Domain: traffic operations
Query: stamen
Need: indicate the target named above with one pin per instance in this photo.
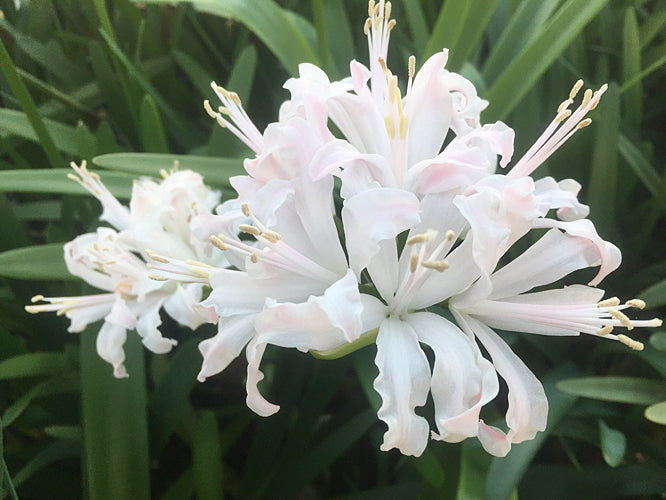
(564, 105)
(587, 97)
(413, 262)
(387, 10)
(605, 330)
(417, 238)
(450, 235)
(371, 8)
(634, 344)
(164, 173)
(156, 257)
(411, 67)
(610, 302)
(389, 123)
(209, 109)
(191, 262)
(584, 123)
(577, 86)
(382, 63)
(37, 298)
(245, 207)
(254, 258)
(563, 116)
(437, 265)
(637, 303)
(73, 177)
(621, 317)
(366, 26)
(248, 229)
(391, 24)
(199, 272)
(217, 242)
(158, 277)
(271, 236)
(404, 125)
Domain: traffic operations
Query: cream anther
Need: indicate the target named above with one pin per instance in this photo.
(587, 97)
(450, 235)
(411, 67)
(36, 298)
(413, 262)
(191, 262)
(245, 207)
(366, 26)
(610, 302)
(382, 63)
(574, 90)
(209, 109)
(437, 265)
(158, 277)
(391, 25)
(605, 330)
(417, 238)
(156, 257)
(371, 8)
(584, 123)
(629, 342)
(220, 122)
(404, 125)
(389, 123)
(254, 258)
(387, 10)
(637, 303)
(564, 105)
(271, 236)
(199, 272)
(224, 111)
(375, 11)
(621, 317)
(217, 242)
(248, 229)
(378, 21)
(563, 115)
(73, 177)
(164, 173)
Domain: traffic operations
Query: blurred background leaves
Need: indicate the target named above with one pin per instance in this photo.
(120, 84)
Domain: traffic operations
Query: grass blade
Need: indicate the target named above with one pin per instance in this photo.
(632, 390)
(55, 181)
(533, 61)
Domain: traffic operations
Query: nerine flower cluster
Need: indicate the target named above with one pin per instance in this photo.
(414, 199)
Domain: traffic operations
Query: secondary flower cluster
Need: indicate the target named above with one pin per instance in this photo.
(404, 200)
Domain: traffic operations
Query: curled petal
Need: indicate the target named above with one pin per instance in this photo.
(403, 383)
(112, 336)
(462, 379)
(528, 407)
(233, 334)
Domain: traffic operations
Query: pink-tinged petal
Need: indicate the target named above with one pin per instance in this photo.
(78, 261)
(233, 334)
(499, 213)
(551, 258)
(264, 199)
(360, 76)
(610, 256)
(528, 407)
(430, 109)
(493, 139)
(562, 196)
(462, 379)
(338, 154)
(403, 383)
(322, 323)
(493, 440)
(184, 306)
(147, 323)
(236, 292)
(112, 336)
(373, 216)
(374, 312)
(89, 309)
(454, 169)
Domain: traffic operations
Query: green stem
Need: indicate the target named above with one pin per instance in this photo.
(366, 339)
(6, 478)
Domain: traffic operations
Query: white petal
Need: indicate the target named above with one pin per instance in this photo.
(184, 306)
(373, 216)
(233, 334)
(528, 407)
(112, 336)
(322, 323)
(552, 257)
(148, 319)
(609, 255)
(403, 383)
(462, 380)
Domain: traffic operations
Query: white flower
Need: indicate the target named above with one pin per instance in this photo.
(116, 263)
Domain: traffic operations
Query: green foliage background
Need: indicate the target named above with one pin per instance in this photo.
(120, 84)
